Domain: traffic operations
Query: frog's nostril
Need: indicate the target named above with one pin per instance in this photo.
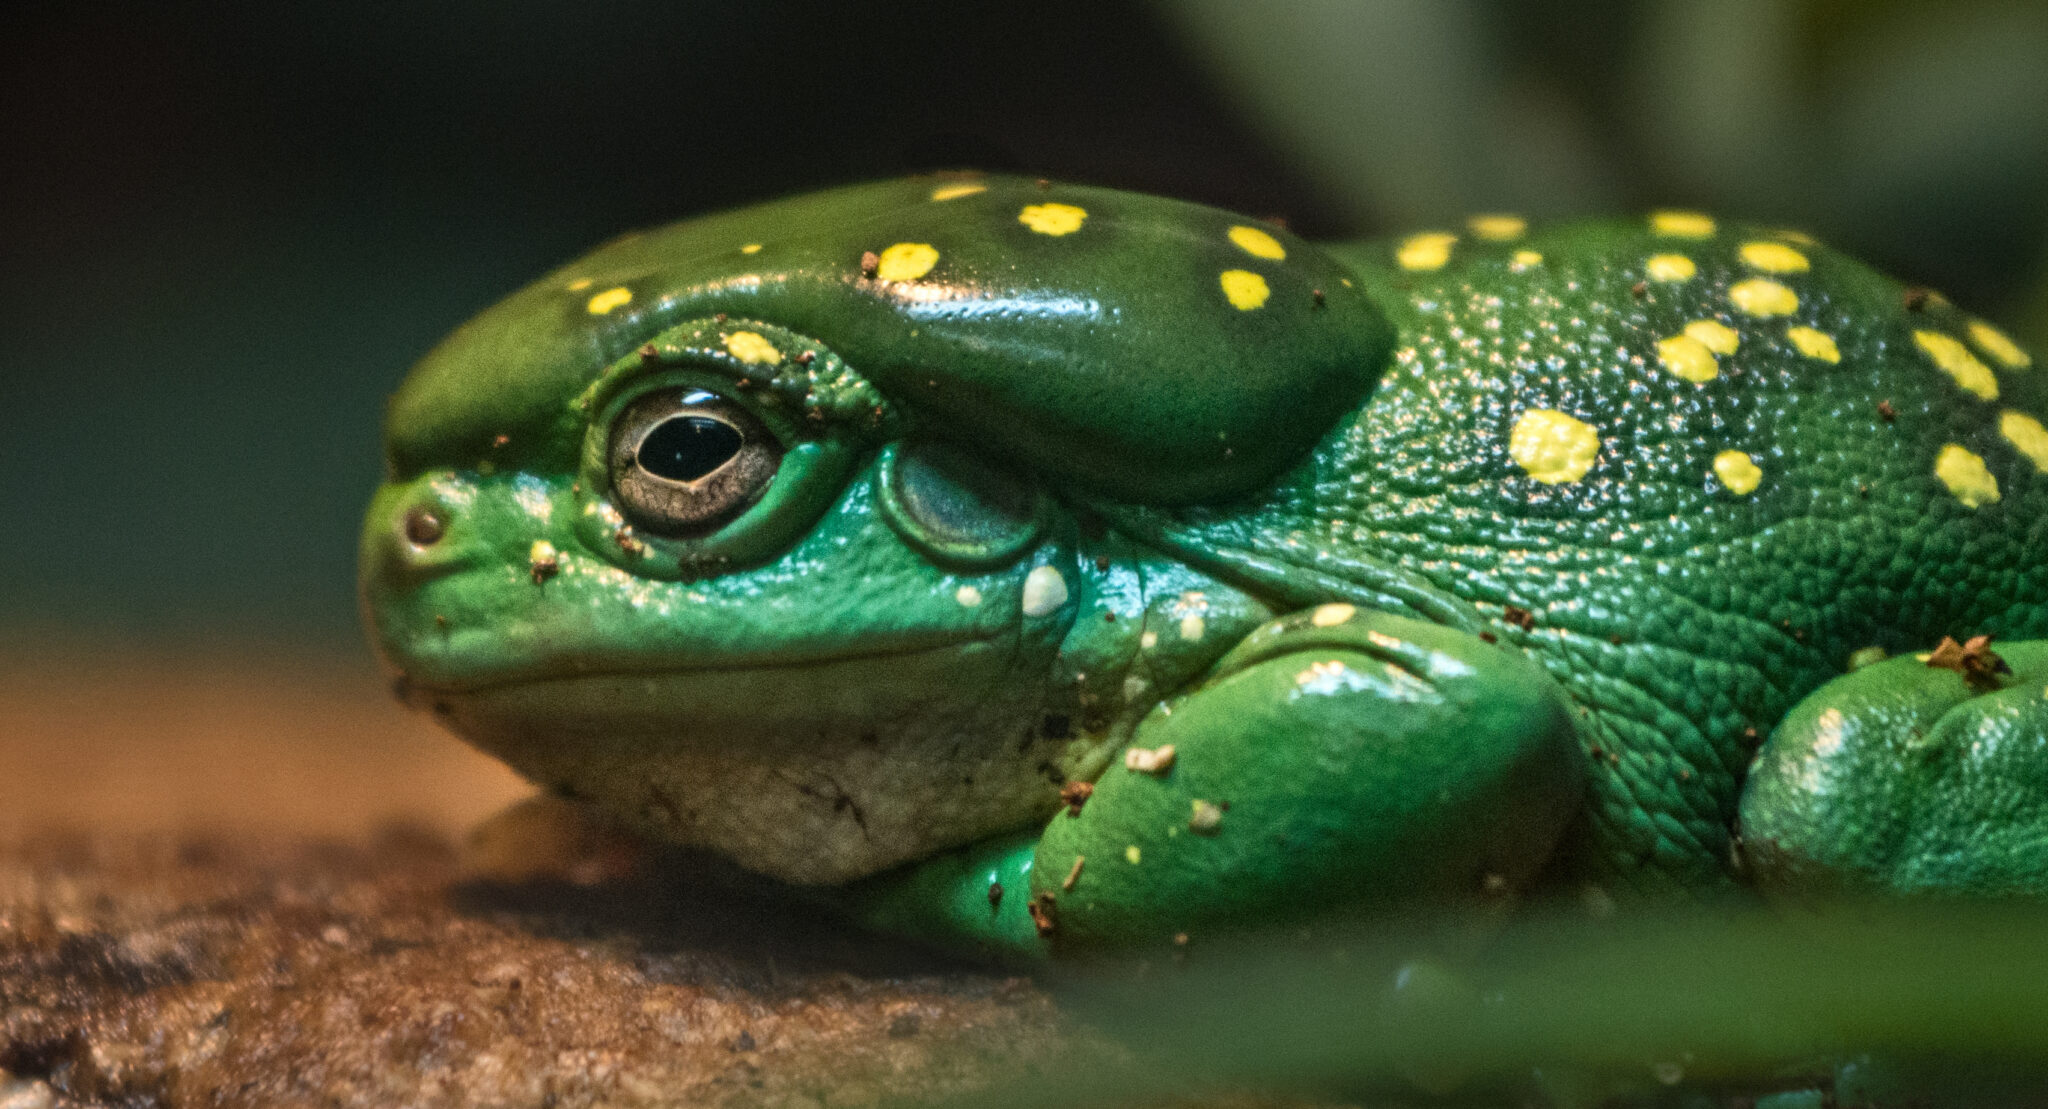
(424, 527)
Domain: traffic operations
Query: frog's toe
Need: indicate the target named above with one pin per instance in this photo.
(1908, 776)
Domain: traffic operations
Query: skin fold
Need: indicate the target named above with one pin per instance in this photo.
(1053, 570)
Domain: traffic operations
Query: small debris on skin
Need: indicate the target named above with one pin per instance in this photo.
(623, 537)
(1639, 290)
(1886, 412)
(995, 895)
(1044, 914)
(545, 562)
(500, 439)
(1149, 760)
(1317, 296)
(869, 263)
(804, 357)
(1519, 617)
(1488, 637)
(1205, 819)
(649, 354)
(1073, 874)
(1974, 659)
(744, 1041)
(1916, 298)
(1076, 794)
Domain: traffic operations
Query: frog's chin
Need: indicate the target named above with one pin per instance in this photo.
(817, 773)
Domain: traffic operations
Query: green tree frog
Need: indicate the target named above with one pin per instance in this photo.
(1048, 569)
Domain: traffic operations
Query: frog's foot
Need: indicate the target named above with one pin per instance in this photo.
(1337, 759)
(1920, 774)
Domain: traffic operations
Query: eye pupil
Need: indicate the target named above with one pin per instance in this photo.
(685, 448)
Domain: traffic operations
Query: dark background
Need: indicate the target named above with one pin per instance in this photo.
(228, 228)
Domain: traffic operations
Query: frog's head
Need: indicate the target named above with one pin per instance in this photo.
(753, 529)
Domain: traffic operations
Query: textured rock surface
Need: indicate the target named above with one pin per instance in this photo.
(238, 882)
(200, 970)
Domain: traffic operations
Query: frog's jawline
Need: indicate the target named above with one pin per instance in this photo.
(534, 676)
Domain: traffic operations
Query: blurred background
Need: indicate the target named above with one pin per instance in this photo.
(228, 228)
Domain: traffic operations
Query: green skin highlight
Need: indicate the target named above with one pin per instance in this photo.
(1040, 500)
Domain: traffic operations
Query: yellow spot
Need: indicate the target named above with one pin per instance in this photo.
(1949, 353)
(2026, 433)
(1052, 219)
(1682, 225)
(1132, 854)
(968, 596)
(1999, 345)
(1814, 344)
(1670, 267)
(1498, 228)
(580, 284)
(1715, 335)
(1427, 251)
(1525, 259)
(1329, 616)
(906, 262)
(955, 192)
(1793, 235)
(1257, 243)
(1763, 297)
(1044, 591)
(1552, 446)
(605, 301)
(751, 248)
(1774, 258)
(1245, 289)
(1193, 627)
(751, 348)
(1738, 471)
(1966, 477)
(1688, 358)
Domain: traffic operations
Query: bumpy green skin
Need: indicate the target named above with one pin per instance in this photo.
(1428, 558)
(1898, 779)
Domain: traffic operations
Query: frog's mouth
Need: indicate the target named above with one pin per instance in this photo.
(423, 678)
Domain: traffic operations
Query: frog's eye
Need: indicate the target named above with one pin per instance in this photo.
(685, 461)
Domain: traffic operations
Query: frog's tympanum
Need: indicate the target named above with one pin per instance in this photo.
(1049, 568)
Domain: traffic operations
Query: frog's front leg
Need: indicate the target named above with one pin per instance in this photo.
(1336, 759)
(1920, 774)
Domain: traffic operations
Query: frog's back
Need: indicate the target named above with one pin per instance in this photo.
(1692, 467)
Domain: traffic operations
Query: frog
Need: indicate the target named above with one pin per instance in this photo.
(1043, 570)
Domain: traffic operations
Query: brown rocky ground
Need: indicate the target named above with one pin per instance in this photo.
(239, 881)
